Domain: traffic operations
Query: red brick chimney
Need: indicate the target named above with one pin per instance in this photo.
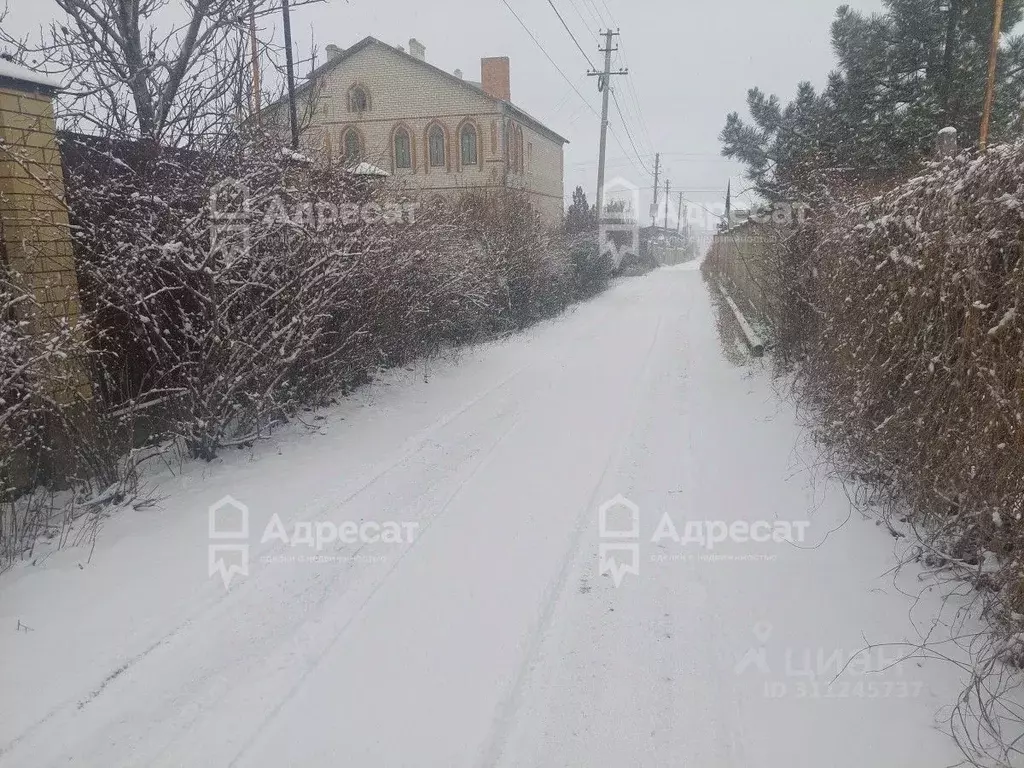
(494, 77)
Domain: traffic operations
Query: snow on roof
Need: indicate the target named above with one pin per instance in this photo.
(369, 169)
(12, 71)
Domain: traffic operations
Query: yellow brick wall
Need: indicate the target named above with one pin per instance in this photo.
(36, 242)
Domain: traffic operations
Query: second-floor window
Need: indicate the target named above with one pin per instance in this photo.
(351, 145)
(468, 142)
(435, 141)
(403, 149)
(358, 99)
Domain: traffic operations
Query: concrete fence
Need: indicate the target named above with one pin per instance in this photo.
(747, 259)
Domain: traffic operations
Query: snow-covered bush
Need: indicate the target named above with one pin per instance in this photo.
(917, 365)
(532, 264)
(591, 268)
(223, 291)
(43, 415)
(909, 330)
(918, 356)
(243, 285)
(236, 287)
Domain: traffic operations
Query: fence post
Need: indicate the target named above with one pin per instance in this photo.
(945, 146)
(35, 236)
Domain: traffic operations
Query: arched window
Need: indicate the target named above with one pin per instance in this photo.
(468, 144)
(351, 145)
(510, 145)
(403, 149)
(515, 148)
(435, 146)
(358, 99)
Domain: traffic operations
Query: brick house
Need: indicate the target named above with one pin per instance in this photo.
(434, 131)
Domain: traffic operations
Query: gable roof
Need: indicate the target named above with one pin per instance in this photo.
(366, 42)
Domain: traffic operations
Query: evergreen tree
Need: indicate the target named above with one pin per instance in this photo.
(901, 76)
(580, 216)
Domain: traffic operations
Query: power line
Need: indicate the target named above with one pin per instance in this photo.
(629, 135)
(627, 114)
(564, 76)
(592, 10)
(634, 92)
(586, 24)
(584, 53)
(546, 54)
(611, 18)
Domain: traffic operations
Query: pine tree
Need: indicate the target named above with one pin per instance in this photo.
(580, 216)
(901, 76)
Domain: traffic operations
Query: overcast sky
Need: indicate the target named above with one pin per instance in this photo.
(690, 64)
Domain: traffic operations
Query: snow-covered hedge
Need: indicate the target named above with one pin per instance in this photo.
(41, 412)
(241, 285)
(225, 291)
(905, 311)
(918, 356)
(916, 361)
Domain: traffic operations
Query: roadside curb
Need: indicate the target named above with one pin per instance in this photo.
(752, 339)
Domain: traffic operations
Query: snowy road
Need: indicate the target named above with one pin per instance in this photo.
(490, 638)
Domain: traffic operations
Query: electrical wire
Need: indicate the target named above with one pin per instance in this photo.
(579, 13)
(564, 76)
(629, 135)
(580, 47)
(544, 51)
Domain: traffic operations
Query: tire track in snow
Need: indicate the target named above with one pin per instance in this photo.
(480, 464)
(216, 601)
(494, 745)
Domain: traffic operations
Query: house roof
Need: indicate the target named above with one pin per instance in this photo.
(9, 71)
(366, 42)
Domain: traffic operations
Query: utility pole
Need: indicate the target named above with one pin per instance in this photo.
(292, 110)
(256, 99)
(654, 207)
(679, 215)
(668, 202)
(990, 86)
(604, 85)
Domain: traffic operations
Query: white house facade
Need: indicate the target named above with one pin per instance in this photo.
(432, 130)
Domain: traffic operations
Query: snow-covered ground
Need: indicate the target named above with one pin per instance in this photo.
(487, 635)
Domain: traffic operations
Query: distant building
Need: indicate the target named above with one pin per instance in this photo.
(437, 132)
